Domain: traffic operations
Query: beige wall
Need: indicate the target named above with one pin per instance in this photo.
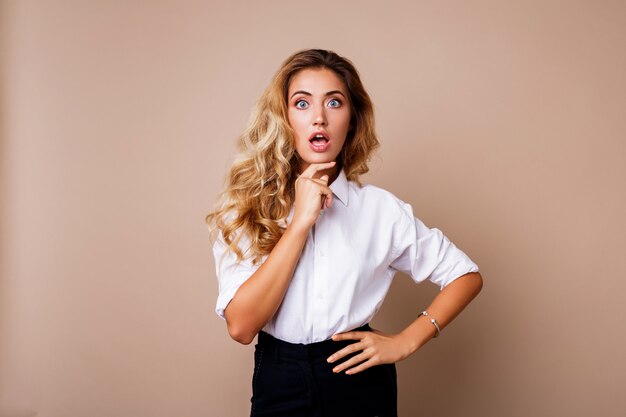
(502, 122)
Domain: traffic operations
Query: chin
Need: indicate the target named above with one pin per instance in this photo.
(318, 159)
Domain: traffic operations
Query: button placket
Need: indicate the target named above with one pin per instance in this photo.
(320, 308)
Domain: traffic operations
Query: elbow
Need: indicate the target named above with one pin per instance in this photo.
(241, 334)
(240, 328)
(243, 338)
(241, 325)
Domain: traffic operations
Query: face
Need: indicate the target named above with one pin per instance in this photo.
(319, 113)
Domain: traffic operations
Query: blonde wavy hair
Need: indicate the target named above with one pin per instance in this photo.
(261, 182)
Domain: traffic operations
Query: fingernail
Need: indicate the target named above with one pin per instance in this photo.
(335, 370)
(331, 359)
(349, 372)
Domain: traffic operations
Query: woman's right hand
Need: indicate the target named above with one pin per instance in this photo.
(312, 194)
(259, 297)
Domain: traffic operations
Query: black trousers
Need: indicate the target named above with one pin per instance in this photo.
(294, 380)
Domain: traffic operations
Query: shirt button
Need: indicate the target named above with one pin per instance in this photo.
(321, 253)
(320, 296)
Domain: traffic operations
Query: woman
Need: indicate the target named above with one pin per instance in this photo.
(305, 253)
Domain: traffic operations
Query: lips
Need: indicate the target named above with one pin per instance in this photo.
(319, 141)
(319, 136)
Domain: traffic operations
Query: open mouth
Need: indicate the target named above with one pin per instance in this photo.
(319, 139)
(319, 142)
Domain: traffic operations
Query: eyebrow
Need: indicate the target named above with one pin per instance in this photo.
(330, 93)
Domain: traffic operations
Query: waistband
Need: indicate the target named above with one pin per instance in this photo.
(310, 352)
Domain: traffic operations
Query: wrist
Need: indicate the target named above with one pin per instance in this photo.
(418, 334)
(408, 343)
(298, 227)
(432, 320)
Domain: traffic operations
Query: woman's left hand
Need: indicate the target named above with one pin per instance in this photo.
(376, 348)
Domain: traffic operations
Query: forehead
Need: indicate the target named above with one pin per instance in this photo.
(316, 81)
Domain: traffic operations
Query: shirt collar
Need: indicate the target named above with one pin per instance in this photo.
(340, 187)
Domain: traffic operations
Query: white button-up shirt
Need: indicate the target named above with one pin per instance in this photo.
(348, 262)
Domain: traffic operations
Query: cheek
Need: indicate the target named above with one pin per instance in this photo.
(342, 117)
(296, 123)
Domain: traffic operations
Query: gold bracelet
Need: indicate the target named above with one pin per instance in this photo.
(433, 321)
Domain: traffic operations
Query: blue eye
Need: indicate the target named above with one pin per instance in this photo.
(334, 101)
(299, 106)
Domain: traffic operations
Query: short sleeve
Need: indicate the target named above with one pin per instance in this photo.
(426, 253)
(230, 272)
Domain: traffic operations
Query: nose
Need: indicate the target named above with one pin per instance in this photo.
(319, 118)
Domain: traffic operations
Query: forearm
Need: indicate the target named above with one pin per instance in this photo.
(258, 298)
(444, 308)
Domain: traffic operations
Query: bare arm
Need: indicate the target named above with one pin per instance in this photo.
(258, 298)
(444, 308)
(381, 348)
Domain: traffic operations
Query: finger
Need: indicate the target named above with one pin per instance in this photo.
(324, 190)
(363, 366)
(351, 348)
(326, 200)
(355, 360)
(348, 336)
(329, 199)
(319, 181)
(313, 168)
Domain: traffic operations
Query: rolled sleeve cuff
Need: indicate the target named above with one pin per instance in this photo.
(223, 299)
(463, 265)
